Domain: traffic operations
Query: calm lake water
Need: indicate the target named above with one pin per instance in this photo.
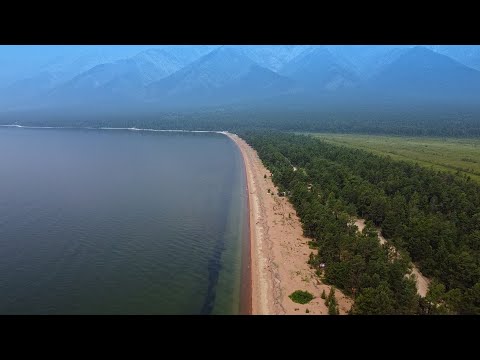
(120, 222)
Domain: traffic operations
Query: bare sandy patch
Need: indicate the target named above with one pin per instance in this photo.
(422, 281)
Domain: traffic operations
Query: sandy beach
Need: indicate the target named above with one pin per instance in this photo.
(279, 251)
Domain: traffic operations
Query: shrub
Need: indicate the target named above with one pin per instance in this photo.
(301, 297)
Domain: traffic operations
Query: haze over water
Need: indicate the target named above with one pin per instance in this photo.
(119, 222)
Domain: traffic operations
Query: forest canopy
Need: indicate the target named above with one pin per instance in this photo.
(412, 120)
(431, 218)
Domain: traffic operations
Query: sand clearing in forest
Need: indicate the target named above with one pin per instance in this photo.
(422, 281)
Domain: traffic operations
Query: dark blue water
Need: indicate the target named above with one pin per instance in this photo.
(119, 222)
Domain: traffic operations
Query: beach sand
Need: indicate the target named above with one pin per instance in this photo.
(279, 251)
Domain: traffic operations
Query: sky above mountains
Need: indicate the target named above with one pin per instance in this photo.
(77, 75)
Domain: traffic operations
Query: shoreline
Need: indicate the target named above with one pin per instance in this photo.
(258, 303)
(246, 262)
(278, 250)
(275, 256)
(245, 304)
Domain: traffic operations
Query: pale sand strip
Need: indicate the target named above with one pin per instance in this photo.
(279, 251)
(422, 281)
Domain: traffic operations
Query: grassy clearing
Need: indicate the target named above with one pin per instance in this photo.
(444, 154)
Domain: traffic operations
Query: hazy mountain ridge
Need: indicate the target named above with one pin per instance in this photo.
(125, 79)
(272, 57)
(366, 60)
(213, 74)
(318, 69)
(423, 72)
(224, 74)
(468, 55)
(55, 72)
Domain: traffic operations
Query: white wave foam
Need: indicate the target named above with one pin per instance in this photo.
(114, 128)
(38, 127)
(13, 125)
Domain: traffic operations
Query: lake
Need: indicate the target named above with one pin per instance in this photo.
(120, 222)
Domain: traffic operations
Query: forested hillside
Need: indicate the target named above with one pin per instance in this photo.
(431, 217)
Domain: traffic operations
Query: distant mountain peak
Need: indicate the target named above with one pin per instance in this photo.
(423, 57)
(225, 74)
(225, 52)
(420, 71)
(320, 70)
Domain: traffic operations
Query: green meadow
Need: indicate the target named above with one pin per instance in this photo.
(461, 156)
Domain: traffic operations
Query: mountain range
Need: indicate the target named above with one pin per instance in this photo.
(232, 74)
(423, 73)
(223, 75)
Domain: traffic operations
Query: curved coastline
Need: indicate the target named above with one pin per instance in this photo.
(246, 273)
(279, 250)
(274, 258)
(259, 303)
